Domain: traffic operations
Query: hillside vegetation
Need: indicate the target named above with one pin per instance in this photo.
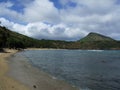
(10, 39)
(96, 37)
(98, 41)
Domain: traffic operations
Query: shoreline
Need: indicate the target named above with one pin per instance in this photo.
(43, 49)
(21, 70)
(67, 49)
(6, 82)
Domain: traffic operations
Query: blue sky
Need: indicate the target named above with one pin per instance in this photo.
(17, 5)
(57, 4)
(61, 19)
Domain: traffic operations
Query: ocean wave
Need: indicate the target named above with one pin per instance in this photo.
(96, 50)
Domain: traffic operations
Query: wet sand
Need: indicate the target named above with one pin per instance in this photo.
(7, 83)
(22, 71)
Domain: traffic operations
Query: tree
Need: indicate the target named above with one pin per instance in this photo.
(0, 23)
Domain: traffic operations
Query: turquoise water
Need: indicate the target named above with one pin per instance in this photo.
(86, 69)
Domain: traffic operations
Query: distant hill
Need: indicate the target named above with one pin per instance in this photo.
(98, 41)
(96, 37)
(10, 39)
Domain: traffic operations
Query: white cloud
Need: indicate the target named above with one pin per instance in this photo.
(68, 23)
(42, 30)
(57, 32)
(7, 12)
(6, 23)
(34, 11)
(41, 10)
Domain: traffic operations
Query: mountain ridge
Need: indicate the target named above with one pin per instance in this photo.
(98, 41)
(10, 39)
(92, 36)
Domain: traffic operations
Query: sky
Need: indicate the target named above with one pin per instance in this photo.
(68, 20)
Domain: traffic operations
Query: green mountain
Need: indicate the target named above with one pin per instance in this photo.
(98, 41)
(14, 40)
(96, 37)
(10, 39)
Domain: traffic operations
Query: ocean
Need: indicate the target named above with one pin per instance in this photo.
(86, 69)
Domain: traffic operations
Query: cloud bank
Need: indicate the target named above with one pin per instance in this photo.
(76, 18)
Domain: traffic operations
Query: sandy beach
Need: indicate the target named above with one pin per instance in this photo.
(7, 83)
(23, 76)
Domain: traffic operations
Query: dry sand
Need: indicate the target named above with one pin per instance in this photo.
(7, 83)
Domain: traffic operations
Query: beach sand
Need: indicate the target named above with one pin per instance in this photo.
(22, 71)
(16, 73)
(7, 83)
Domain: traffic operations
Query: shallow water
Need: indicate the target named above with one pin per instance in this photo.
(86, 69)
